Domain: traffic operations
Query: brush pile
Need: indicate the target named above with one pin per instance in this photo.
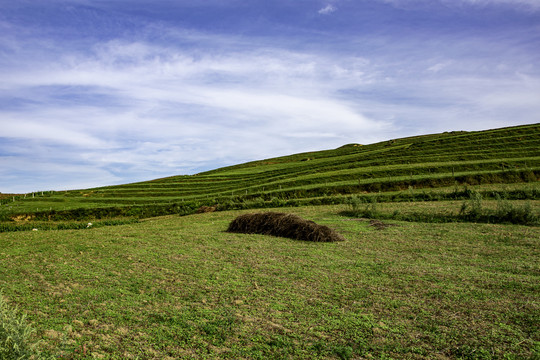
(205, 209)
(283, 225)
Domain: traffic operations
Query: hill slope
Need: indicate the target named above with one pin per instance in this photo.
(499, 156)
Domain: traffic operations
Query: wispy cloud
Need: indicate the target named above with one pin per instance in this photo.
(160, 99)
(172, 111)
(328, 9)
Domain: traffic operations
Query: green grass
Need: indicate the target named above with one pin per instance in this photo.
(456, 280)
(181, 287)
(474, 209)
(15, 335)
(507, 156)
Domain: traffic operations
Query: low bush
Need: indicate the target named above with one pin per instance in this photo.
(472, 210)
(506, 212)
(363, 206)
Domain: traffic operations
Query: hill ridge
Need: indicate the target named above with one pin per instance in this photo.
(434, 161)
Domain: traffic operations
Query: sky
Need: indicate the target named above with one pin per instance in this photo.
(105, 92)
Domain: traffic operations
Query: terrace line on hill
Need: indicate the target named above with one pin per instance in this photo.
(437, 161)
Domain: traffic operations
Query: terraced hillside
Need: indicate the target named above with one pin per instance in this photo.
(393, 170)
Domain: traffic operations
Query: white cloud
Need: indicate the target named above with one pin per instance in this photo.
(169, 111)
(439, 66)
(45, 126)
(328, 9)
(136, 110)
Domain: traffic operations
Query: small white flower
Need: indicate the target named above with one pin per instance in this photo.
(89, 224)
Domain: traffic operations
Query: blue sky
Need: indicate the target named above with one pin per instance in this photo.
(101, 92)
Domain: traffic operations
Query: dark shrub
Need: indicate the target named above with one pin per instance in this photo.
(284, 225)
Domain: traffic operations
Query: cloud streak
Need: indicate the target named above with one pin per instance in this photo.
(181, 102)
(328, 9)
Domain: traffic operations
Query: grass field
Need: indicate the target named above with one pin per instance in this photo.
(459, 279)
(180, 287)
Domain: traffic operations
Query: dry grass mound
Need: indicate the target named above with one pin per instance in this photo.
(205, 209)
(379, 225)
(284, 225)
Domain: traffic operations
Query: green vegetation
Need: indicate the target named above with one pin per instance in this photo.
(15, 334)
(182, 287)
(473, 210)
(441, 259)
(422, 168)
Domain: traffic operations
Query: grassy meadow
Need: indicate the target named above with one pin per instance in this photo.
(441, 258)
(181, 287)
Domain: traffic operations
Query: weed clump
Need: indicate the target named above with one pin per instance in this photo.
(205, 209)
(364, 206)
(15, 335)
(506, 212)
(284, 225)
(379, 225)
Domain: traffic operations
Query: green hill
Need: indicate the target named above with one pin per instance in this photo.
(429, 166)
(182, 287)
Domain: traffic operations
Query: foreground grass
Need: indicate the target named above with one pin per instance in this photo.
(180, 287)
